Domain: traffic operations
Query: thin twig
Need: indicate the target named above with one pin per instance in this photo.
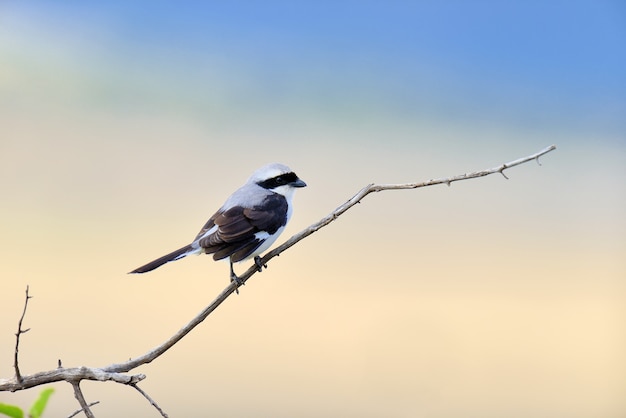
(20, 331)
(81, 399)
(152, 402)
(73, 414)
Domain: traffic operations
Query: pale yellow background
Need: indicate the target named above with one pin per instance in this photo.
(488, 298)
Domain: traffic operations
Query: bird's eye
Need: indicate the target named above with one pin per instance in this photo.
(280, 180)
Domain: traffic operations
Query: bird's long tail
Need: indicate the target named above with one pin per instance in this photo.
(175, 255)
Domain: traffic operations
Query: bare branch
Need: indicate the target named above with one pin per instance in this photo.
(115, 372)
(20, 331)
(152, 402)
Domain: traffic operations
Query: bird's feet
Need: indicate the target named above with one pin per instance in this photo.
(259, 265)
(235, 278)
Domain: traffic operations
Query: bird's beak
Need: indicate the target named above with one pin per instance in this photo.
(298, 183)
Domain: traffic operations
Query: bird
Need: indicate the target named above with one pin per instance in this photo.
(247, 224)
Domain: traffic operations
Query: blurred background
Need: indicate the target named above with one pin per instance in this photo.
(125, 125)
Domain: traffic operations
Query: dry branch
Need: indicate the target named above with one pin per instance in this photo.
(20, 331)
(115, 372)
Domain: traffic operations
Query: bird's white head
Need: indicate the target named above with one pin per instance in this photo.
(278, 178)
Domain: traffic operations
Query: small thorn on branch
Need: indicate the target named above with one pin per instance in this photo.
(501, 171)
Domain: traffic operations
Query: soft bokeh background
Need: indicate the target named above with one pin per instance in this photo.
(123, 125)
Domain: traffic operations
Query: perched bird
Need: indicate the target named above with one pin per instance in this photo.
(248, 222)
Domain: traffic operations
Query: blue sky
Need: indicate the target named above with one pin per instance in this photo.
(555, 63)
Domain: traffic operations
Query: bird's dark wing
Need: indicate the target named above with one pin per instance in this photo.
(237, 228)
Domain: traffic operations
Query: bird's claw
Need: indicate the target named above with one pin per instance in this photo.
(238, 282)
(236, 279)
(259, 265)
